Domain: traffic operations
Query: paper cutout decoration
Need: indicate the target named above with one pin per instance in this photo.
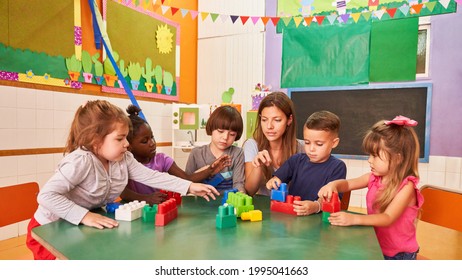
(164, 39)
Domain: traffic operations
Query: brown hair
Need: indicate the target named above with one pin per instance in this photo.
(289, 140)
(225, 117)
(92, 122)
(401, 148)
(324, 120)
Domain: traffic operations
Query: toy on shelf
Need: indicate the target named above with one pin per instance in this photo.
(330, 207)
(167, 211)
(280, 194)
(129, 211)
(285, 207)
(253, 216)
(226, 193)
(174, 195)
(241, 202)
(111, 207)
(149, 213)
(226, 217)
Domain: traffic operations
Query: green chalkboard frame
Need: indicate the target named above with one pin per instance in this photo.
(359, 107)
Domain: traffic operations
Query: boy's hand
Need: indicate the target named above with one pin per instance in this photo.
(305, 207)
(220, 163)
(273, 183)
(262, 157)
(203, 190)
(98, 221)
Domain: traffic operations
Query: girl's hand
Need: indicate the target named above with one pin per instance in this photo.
(342, 219)
(273, 183)
(305, 207)
(98, 221)
(262, 157)
(325, 193)
(220, 163)
(203, 190)
(155, 198)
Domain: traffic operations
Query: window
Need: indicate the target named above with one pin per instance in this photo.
(423, 48)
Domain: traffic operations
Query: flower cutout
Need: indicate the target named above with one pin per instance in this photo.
(29, 74)
(46, 76)
(402, 120)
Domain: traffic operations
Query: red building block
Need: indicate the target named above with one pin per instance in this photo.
(285, 207)
(167, 211)
(330, 207)
(173, 195)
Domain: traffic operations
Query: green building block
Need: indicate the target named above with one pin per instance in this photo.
(149, 213)
(226, 217)
(241, 201)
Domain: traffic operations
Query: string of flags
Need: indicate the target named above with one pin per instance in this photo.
(405, 10)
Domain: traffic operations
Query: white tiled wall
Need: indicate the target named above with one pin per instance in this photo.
(31, 118)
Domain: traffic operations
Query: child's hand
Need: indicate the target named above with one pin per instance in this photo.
(342, 219)
(305, 207)
(262, 157)
(273, 183)
(220, 163)
(98, 221)
(155, 198)
(325, 193)
(203, 190)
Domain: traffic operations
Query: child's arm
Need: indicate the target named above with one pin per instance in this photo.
(203, 190)
(153, 198)
(211, 170)
(343, 186)
(307, 207)
(98, 221)
(273, 183)
(404, 198)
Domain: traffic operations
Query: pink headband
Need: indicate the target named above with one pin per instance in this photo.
(402, 120)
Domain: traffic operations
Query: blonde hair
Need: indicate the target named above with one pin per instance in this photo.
(400, 145)
(92, 122)
(289, 141)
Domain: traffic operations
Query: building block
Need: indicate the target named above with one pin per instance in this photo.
(215, 180)
(285, 207)
(280, 194)
(111, 207)
(167, 211)
(226, 217)
(241, 202)
(253, 216)
(174, 195)
(226, 193)
(149, 213)
(330, 207)
(129, 211)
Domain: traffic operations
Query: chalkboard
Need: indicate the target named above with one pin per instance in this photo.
(360, 107)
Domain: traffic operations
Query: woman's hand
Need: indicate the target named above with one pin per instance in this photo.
(203, 190)
(273, 183)
(98, 221)
(262, 158)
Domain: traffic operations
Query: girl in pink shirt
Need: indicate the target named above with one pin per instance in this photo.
(393, 199)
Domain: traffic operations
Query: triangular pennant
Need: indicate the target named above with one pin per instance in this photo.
(244, 19)
(297, 21)
(184, 12)
(367, 15)
(286, 20)
(431, 5)
(194, 14)
(417, 8)
(155, 7)
(214, 17)
(356, 16)
(319, 19)
(174, 10)
(255, 20)
(275, 20)
(345, 17)
(308, 20)
(162, 1)
(204, 15)
(404, 10)
(234, 18)
(331, 18)
(265, 20)
(392, 12)
(379, 13)
(445, 3)
(224, 18)
(164, 9)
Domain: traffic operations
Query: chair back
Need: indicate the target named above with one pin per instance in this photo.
(442, 207)
(345, 201)
(18, 203)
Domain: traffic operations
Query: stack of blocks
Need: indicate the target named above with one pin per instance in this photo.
(241, 202)
(173, 195)
(226, 194)
(167, 211)
(129, 211)
(330, 207)
(226, 217)
(282, 202)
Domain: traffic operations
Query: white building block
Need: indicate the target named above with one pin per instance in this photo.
(129, 211)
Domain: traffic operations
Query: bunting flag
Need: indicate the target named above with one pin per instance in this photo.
(386, 11)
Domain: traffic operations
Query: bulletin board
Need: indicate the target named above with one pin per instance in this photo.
(360, 107)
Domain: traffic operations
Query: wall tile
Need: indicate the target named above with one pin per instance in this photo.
(26, 118)
(27, 165)
(45, 163)
(45, 138)
(26, 138)
(27, 98)
(437, 163)
(8, 139)
(44, 119)
(8, 97)
(452, 179)
(8, 117)
(9, 166)
(453, 164)
(436, 178)
(45, 100)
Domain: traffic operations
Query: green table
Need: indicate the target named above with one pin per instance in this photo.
(193, 235)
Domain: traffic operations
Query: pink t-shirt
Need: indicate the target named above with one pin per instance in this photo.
(160, 162)
(401, 235)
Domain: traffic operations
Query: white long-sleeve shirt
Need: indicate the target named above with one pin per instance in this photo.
(81, 183)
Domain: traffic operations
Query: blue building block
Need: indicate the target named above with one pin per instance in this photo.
(226, 217)
(225, 195)
(111, 207)
(149, 213)
(215, 180)
(280, 194)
